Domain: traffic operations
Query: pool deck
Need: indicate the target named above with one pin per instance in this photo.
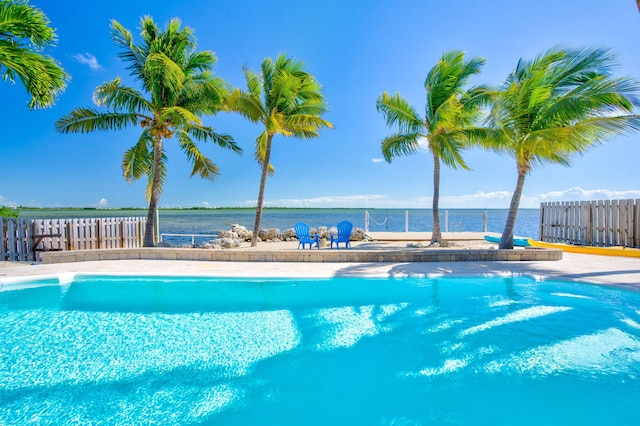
(608, 270)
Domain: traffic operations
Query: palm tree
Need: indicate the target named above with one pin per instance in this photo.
(178, 88)
(561, 103)
(288, 101)
(24, 32)
(450, 111)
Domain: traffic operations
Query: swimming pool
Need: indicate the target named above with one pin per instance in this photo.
(410, 351)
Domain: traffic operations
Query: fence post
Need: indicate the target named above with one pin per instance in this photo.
(406, 221)
(11, 232)
(636, 224)
(366, 221)
(484, 221)
(446, 221)
(3, 239)
(70, 235)
(22, 242)
(122, 237)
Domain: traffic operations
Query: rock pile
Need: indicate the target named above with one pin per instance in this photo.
(238, 234)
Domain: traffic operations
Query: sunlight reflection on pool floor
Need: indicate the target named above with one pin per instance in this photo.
(413, 350)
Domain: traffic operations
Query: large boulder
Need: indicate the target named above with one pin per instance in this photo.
(357, 234)
(323, 232)
(228, 242)
(269, 234)
(287, 234)
(210, 245)
(228, 234)
(242, 232)
(221, 243)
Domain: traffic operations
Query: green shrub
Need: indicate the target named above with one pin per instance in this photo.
(8, 212)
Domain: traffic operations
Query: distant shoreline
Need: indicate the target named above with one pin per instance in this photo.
(76, 209)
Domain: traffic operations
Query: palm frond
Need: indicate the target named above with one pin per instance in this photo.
(200, 61)
(166, 77)
(276, 123)
(204, 134)
(305, 125)
(398, 112)
(202, 166)
(178, 116)
(400, 144)
(42, 76)
(449, 146)
(247, 104)
(284, 90)
(254, 82)
(115, 95)
(86, 120)
(131, 54)
(261, 151)
(162, 175)
(137, 161)
(20, 21)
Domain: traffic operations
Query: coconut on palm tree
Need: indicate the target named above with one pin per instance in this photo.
(450, 112)
(560, 103)
(24, 33)
(287, 101)
(177, 89)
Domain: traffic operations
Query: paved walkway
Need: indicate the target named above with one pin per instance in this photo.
(616, 271)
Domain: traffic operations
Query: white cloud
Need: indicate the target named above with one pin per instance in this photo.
(478, 200)
(88, 59)
(103, 202)
(423, 144)
(354, 201)
(5, 202)
(377, 160)
(579, 194)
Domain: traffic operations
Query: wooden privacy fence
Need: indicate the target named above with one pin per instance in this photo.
(22, 239)
(602, 223)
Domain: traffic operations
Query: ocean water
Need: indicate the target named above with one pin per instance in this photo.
(342, 351)
(210, 221)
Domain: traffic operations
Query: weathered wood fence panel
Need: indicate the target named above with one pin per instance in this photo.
(601, 223)
(13, 238)
(21, 239)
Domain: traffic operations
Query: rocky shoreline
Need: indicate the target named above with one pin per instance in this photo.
(239, 234)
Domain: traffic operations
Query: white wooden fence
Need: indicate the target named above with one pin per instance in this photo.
(22, 239)
(602, 223)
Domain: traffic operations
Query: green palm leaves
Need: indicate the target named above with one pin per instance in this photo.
(549, 108)
(24, 33)
(562, 102)
(450, 111)
(287, 101)
(556, 105)
(177, 89)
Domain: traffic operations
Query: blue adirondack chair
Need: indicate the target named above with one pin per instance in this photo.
(344, 233)
(304, 235)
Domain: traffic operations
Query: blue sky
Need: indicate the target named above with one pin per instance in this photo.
(356, 49)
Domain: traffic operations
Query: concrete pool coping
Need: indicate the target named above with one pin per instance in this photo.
(358, 254)
(606, 270)
(378, 247)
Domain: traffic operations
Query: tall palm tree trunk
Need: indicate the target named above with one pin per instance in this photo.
(506, 242)
(155, 194)
(263, 183)
(436, 235)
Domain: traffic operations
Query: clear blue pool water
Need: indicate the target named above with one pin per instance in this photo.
(345, 351)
